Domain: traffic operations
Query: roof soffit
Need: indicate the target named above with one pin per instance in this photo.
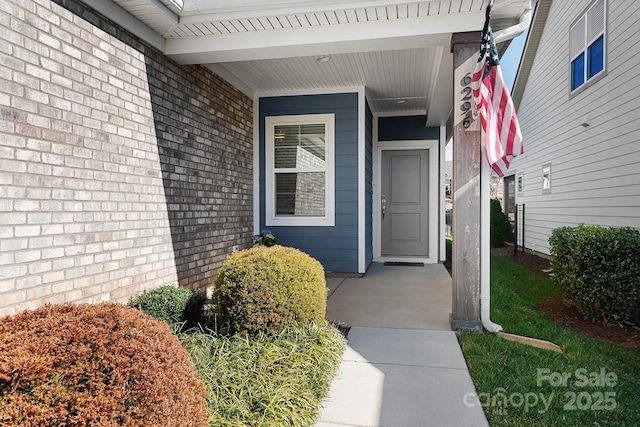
(253, 43)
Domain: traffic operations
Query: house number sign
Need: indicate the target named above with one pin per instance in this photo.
(465, 105)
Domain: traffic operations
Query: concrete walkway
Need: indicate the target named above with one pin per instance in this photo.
(403, 366)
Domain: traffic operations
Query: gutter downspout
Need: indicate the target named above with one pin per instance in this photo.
(485, 247)
(512, 32)
(485, 188)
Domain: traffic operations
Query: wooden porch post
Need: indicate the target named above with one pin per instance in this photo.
(466, 187)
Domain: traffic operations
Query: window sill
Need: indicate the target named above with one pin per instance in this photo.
(300, 222)
(593, 80)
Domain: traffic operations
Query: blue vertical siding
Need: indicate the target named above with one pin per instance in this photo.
(335, 247)
(368, 187)
(405, 128)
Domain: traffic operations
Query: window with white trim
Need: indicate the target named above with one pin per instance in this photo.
(587, 45)
(300, 170)
(520, 183)
(546, 178)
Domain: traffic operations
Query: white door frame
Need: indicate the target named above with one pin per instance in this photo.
(432, 146)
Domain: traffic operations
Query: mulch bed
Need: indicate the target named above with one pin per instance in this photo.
(622, 335)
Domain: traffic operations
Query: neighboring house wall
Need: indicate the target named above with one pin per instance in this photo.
(120, 170)
(594, 170)
(335, 247)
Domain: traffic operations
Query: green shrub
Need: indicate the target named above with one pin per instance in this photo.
(266, 238)
(95, 365)
(499, 224)
(172, 305)
(598, 269)
(269, 288)
(267, 380)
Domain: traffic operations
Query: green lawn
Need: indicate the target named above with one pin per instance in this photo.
(591, 383)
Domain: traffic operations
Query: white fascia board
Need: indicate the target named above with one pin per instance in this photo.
(440, 99)
(317, 91)
(399, 113)
(424, 31)
(249, 53)
(128, 21)
(222, 71)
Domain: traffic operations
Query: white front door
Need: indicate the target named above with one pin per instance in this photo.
(404, 202)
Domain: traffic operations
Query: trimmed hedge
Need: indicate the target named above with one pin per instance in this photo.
(265, 289)
(499, 224)
(98, 365)
(172, 305)
(598, 269)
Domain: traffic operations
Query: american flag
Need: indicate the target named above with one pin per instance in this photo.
(503, 139)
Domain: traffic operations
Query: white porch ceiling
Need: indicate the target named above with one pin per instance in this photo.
(398, 50)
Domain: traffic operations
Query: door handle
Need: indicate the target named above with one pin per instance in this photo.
(383, 208)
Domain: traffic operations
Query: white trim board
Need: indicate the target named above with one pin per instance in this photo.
(302, 92)
(272, 219)
(128, 21)
(362, 141)
(256, 165)
(442, 199)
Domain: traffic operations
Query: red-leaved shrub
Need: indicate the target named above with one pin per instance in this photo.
(95, 365)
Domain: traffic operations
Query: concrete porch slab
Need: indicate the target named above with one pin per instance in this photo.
(410, 347)
(393, 297)
(379, 395)
(403, 365)
(394, 377)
